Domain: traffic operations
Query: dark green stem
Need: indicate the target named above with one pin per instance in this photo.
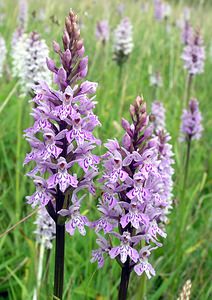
(188, 89)
(59, 249)
(154, 93)
(59, 262)
(125, 277)
(120, 90)
(187, 163)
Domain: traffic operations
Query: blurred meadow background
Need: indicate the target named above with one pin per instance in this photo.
(187, 250)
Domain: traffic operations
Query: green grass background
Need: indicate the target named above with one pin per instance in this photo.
(187, 252)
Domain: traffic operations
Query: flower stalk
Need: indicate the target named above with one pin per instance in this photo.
(187, 163)
(125, 277)
(191, 129)
(59, 261)
(188, 88)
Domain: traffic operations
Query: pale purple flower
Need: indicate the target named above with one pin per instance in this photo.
(194, 54)
(124, 249)
(162, 10)
(23, 14)
(61, 137)
(123, 41)
(102, 31)
(143, 264)
(3, 51)
(62, 177)
(46, 229)
(42, 195)
(75, 219)
(158, 10)
(158, 115)
(191, 122)
(164, 189)
(187, 33)
(134, 199)
(99, 254)
(186, 13)
(120, 8)
(166, 170)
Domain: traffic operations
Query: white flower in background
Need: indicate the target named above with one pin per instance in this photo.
(3, 51)
(120, 8)
(29, 61)
(45, 231)
(186, 14)
(167, 10)
(18, 52)
(123, 41)
(156, 79)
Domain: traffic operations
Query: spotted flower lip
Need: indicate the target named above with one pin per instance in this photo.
(135, 199)
(124, 250)
(61, 138)
(75, 219)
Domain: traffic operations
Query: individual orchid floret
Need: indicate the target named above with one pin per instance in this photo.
(75, 219)
(102, 31)
(191, 122)
(158, 115)
(98, 255)
(45, 231)
(42, 195)
(124, 249)
(134, 198)
(123, 41)
(194, 54)
(29, 62)
(143, 265)
(3, 51)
